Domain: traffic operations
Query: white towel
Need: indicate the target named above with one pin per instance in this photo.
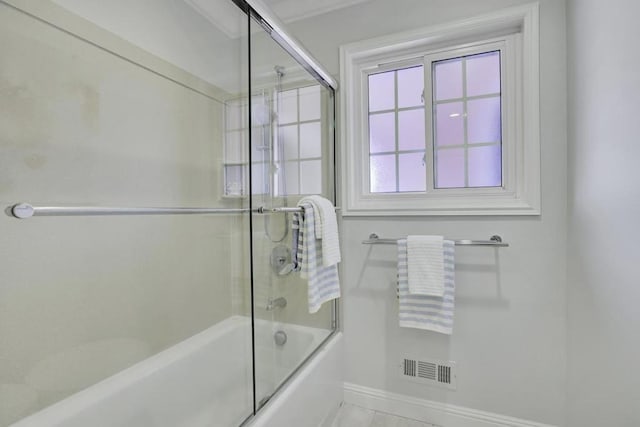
(426, 265)
(324, 283)
(427, 312)
(326, 230)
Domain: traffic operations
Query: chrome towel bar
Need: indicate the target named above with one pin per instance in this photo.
(25, 210)
(495, 241)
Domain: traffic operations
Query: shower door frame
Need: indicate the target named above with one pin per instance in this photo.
(272, 26)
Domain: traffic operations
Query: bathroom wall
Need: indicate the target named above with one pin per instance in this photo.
(509, 339)
(604, 207)
(83, 297)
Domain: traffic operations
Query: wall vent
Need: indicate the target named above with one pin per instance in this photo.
(433, 372)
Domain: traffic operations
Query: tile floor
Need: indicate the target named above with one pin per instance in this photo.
(355, 416)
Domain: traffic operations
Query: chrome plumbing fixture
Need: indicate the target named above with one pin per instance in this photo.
(280, 337)
(280, 302)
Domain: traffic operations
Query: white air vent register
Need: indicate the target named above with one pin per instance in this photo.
(432, 372)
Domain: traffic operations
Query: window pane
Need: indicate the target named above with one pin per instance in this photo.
(483, 74)
(382, 132)
(259, 178)
(483, 120)
(410, 87)
(449, 124)
(310, 138)
(292, 181)
(310, 103)
(450, 168)
(485, 166)
(412, 172)
(288, 106)
(411, 130)
(234, 147)
(382, 91)
(233, 180)
(311, 177)
(260, 143)
(260, 111)
(448, 79)
(383, 173)
(289, 137)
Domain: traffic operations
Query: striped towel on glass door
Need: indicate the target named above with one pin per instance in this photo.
(324, 284)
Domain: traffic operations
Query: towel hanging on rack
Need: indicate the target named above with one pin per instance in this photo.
(324, 283)
(434, 313)
(425, 265)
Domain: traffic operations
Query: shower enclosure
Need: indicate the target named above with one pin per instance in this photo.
(152, 152)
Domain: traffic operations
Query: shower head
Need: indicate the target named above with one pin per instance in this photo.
(279, 69)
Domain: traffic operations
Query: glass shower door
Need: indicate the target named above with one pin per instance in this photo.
(291, 156)
(140, 320)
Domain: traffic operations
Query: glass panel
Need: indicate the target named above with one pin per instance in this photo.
(259, 178)
(292, 179)
(410, 87)
(273, 282)
(382, 132)
(382, 91)
(412, 172)
(449, 124)
(289, 135)
(234, 148)
(483, 120)
(310, 140)
(260, 110)
(84, 298)
(448, 79)
(411, 130)
(235, 115)
(383, 173)
(483, 74)
(450, 168)
(485, 166)
(234, 180)
(311, 177)
(310, 103)
(288, 107)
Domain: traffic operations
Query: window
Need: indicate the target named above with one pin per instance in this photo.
(446, 129)
(467, 121)
(301, 133)
(397, 130)
(287, 132)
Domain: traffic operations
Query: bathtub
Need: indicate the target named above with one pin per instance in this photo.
(204, 381)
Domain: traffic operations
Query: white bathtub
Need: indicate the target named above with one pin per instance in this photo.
(204, 381)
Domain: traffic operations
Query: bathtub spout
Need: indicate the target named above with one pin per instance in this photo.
(276, 303)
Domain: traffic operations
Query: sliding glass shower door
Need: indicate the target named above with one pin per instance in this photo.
(291, 156)
(121, 104)
(152, 153)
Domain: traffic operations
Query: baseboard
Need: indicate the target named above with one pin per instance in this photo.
(440, 414)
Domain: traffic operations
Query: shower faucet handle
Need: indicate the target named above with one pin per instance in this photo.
(279, 302)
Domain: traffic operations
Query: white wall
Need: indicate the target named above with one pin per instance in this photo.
(509, 335)
(604, 208)
(173, 31)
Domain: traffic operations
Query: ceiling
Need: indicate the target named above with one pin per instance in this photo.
(225, 15)
(294, 10)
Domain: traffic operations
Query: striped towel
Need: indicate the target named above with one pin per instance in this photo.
(326, 228)
(425, 265)
(324, 284)
(432, 313)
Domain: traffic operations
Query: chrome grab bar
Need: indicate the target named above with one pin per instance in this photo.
(495, 241)
(26, 210)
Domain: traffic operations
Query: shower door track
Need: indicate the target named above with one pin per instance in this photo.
(26, 210)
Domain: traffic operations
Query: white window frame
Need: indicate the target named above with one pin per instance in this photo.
(516, 31)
